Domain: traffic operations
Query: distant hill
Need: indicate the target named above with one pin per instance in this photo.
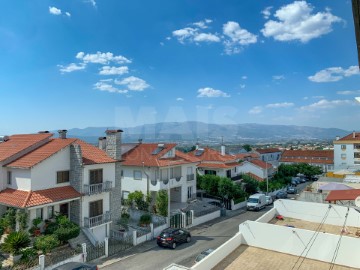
(192, 131)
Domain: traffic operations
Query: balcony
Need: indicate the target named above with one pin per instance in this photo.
(97, 188)
(190, 177)
(97, 220)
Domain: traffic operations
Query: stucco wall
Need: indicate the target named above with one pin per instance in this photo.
(21, 179)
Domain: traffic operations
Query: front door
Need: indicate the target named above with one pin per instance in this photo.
(228, 173)
(64, 209)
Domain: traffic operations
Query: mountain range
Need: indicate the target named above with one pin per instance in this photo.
(192, 131)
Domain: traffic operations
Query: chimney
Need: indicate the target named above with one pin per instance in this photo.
(113, 143)
(197, 146)
(337, 138)
(354, 134)
(140, 141)
(223, 150)
(62, 133)
(102, 143)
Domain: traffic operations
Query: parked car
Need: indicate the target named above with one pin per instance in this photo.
(294, 183)
(281, 195)
(256, 202)
(291, 190)
(314, 178)
(302, 180)
(203, 254)
(269, 200)
(171, 237)
(76, 266)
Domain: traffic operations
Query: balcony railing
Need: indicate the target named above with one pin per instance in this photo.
(190, 177)
(97, 220)
(97, 188)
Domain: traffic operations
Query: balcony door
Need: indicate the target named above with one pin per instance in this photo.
(64, 209)
(96, 208)
(96, 176)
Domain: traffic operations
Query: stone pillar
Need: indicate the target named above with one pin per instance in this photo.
(106, 247)
(42, 262)
(152, 230)
(76, 181)
(134, 238)
(83, 246)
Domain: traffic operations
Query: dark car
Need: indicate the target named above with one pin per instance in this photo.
(172, 237)
(291, 190)
(314, 178)
(203, 254)
(281, 195)
(76, 266)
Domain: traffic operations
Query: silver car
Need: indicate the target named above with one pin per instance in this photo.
(269, 200)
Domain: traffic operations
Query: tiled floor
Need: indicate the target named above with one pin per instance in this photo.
(251, 258)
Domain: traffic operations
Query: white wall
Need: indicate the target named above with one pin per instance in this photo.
(43, 175)
(314, 212)
(340, 163)
(108, 172)
(21, 179)
(249, 167)
(293, 241)
(105, 196)
(205, 218)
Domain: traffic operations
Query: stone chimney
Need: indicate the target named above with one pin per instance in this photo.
(102, 143)
(62, 133)
(113, 143)
(354, 135)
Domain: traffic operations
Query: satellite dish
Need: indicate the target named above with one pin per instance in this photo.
(357, 201)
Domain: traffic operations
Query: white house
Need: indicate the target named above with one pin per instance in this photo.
(347, 152)
(46, 175)
(150, 167)
(270, 155)
(257, 169)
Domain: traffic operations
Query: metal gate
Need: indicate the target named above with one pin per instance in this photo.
(94, 252)
(116, 245)
(188, 218)
(176, 221)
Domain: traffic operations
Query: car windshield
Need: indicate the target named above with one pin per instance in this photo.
(164, 234)
(253, 200)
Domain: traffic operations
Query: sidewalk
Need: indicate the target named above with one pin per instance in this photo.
(101, 263)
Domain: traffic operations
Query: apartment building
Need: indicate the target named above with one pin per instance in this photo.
(347, 152)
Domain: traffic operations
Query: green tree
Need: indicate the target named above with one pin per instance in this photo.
(251, 185)
(46, 243)
(247, 147)
(210, 183)
(226, 188)
(162, 203)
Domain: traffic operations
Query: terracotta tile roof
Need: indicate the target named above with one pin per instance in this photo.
(308, 153)
(209, 155)
(92, 154)
(350, 137)
(343, 195)
(41, 153)
(143, 153)
(218, 165)
(20, 142)
(267, 150)
(261, 163)
(24, 199)
(303, 160)
(247, 155)
(255, 177)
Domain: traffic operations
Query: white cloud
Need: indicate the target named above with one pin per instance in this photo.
(278, 77)
(203, 24)
(107, 70)
(104, 86)
(354, 92)
(68, 14)
(133, 83)
(266, 12)
(179, 99)
(244, 77)
(334, 74)
(54, 11)
(210, 92)
(242, 86)
(280, 105)
(297, 22)
(92, 2)
(326, 104)
(205, 37)
(255, 110)
(102, 58)
(71, 67)
(236, 37)
(193, 34)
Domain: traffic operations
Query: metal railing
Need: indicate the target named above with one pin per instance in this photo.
(97, 220)
(98, 188)
(190, 177)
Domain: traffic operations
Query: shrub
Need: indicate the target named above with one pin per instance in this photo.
(51, 228)
(65, 233)
(162, 203)
(28, 254)
(36, 222)
(15, 242)
(8, 220)
(145, 219)
(46, 243)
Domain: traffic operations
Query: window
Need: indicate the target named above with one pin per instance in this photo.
(9, 178)
(96, 208)
(50, 212)
(356, 155)
(137, 175)
(189, 170)
(62, 177)
(343, 156)
(175, 172)
(39, 213)
(164, 174)
(190, 192)
(122, 173)
(343, 147)
(96, 176)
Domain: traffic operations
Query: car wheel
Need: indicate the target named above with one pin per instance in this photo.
(188, 239)
(173, 246)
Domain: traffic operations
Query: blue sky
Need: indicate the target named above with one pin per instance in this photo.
(69, 64)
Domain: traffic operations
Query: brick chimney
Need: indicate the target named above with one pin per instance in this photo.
(102, 143)
(62, 133)
(113, 143)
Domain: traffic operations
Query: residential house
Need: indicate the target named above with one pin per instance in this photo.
(321, 158)
(347, 152)
(257, 169)
(247, 156)
(270, 155)
(45, 175)
(216, 163)
(150, 167)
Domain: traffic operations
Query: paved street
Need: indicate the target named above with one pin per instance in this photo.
(209, 235)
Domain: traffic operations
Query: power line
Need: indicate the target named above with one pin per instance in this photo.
(312, 239)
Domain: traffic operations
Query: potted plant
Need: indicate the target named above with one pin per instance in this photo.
(14, 243)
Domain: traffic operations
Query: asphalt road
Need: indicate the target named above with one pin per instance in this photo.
(209, 235)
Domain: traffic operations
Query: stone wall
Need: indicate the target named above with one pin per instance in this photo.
(76, 181)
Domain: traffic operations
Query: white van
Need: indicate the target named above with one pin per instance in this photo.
(256, 202)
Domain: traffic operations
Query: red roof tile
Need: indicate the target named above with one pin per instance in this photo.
(267, 150)
(209, 155)
(261, 164)
(21, 142)
(303, 160)
(218, 165)
(343, 195)
(24, 199)
(247, 155)
(308, 153)
(92, 154)
(254, 176)
(350, 137)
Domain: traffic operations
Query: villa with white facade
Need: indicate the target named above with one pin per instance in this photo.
(347, 152)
